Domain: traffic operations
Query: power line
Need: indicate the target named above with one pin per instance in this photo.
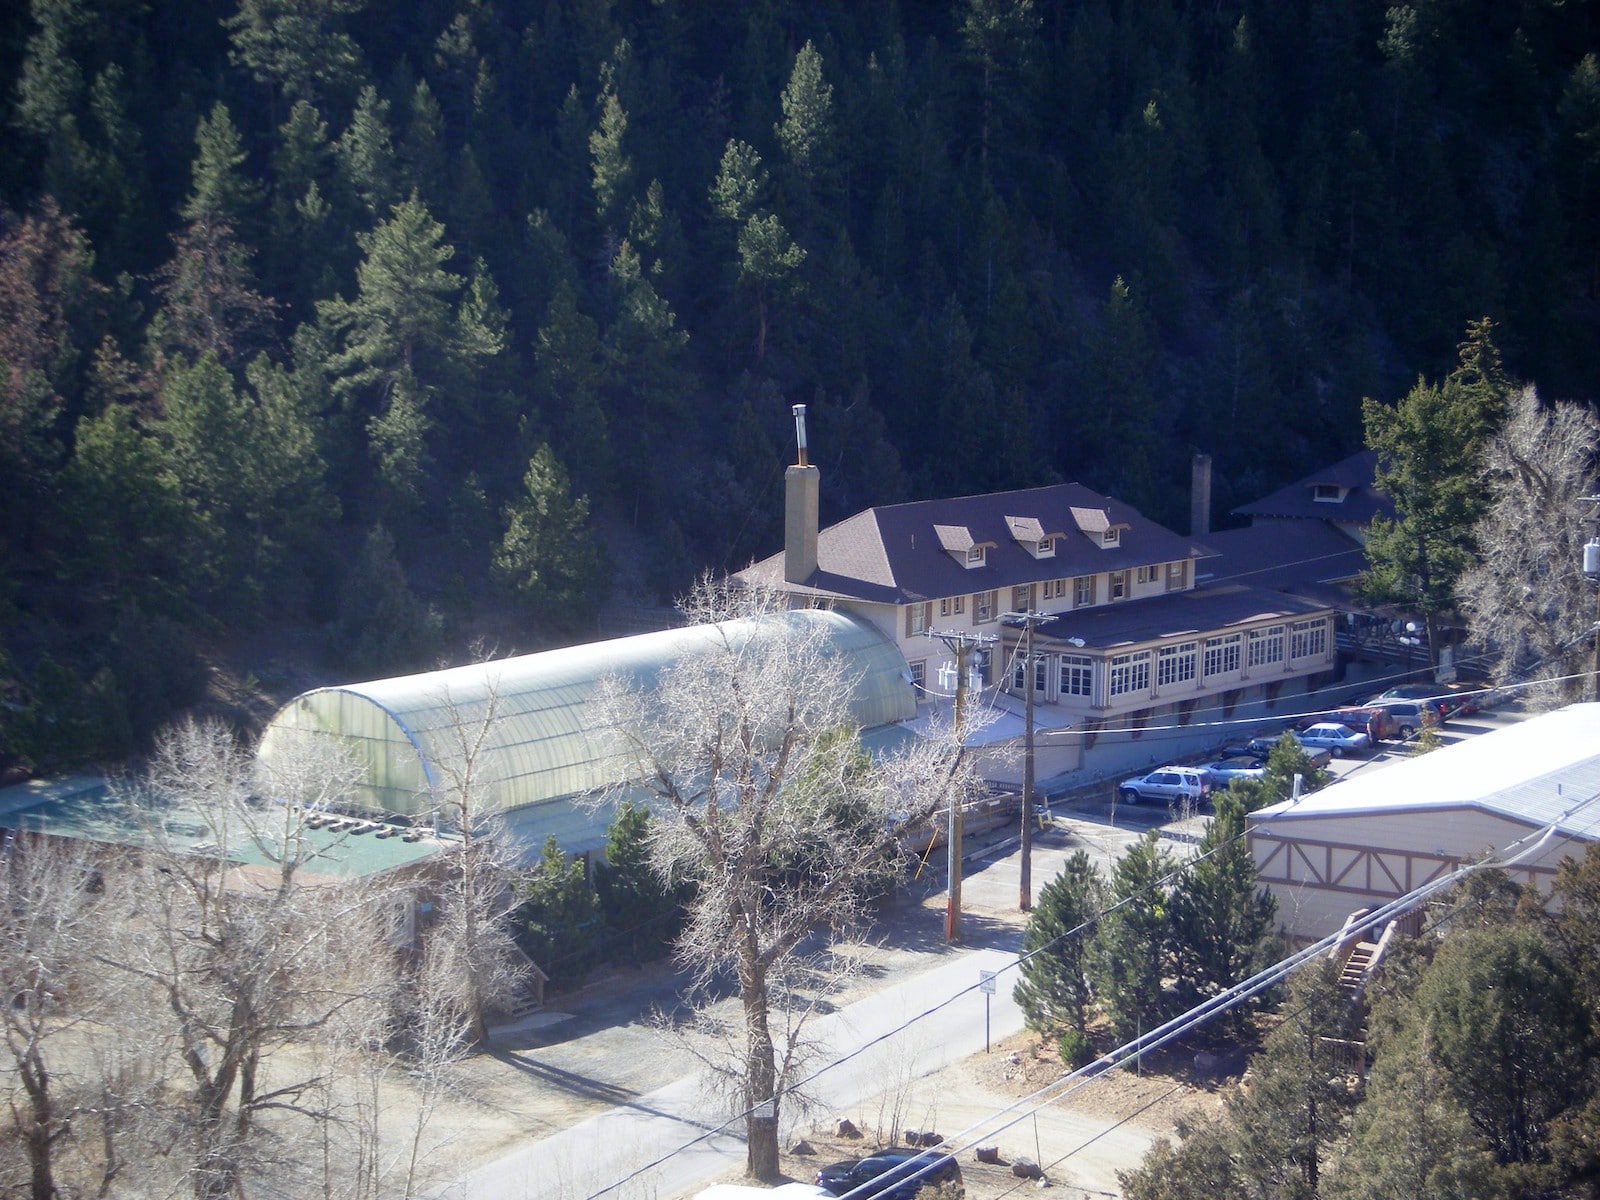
(1512, 853)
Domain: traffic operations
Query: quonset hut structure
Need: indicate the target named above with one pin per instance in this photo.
(542, 760)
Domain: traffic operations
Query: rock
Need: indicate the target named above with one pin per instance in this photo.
(912, 1137)
(802, 1147)
(1026, 1168)
(988, 1154)
(847, 1128)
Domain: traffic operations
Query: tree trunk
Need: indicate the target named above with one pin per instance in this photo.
(761, 1125)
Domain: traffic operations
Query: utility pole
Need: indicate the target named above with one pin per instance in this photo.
(1591, 568)
(960, 643)
(1025, 882)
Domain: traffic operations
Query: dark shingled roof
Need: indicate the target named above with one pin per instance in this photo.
(1178, 615)
(893, 554)
(1361, 503)
(1283, 556)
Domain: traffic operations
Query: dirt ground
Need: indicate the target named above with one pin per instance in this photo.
(1079, 1141)
(596, 1048)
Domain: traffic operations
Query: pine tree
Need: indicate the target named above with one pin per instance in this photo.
(366, 154)
(1429, 447)
(219, 191)
(559, 913)
(1222, 922)
(297, 47)
(1132, 951)
(1285, 1128)
(1054, 991)
(548, 556)
(767, 256)
(642, 913)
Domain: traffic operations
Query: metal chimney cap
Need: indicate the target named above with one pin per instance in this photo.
(799, 411)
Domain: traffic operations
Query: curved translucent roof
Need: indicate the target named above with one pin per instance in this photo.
(539, 748)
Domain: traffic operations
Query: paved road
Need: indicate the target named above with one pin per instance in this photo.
(641, 1145)
(637, 1149)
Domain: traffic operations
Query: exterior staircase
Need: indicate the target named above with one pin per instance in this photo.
(1357, 967)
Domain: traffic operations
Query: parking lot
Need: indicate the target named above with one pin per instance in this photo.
(1094, 818)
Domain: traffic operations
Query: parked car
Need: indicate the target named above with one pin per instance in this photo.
(1223, 771)
(1410, 716)
(1166, 783)
(1373, 720)
(1439, 695)
(1261, 747)
(1336, 738)
(895, 1173)
(1471, 696)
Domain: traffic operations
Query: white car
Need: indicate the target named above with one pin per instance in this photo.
(1333, 737)
(1166, 783)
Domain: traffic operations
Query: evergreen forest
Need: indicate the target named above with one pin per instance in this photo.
(364, 327)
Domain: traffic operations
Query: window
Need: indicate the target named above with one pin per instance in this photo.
(944, 607)
(1056, 590)
(918, 618)
(1045, 548)
(1175, 664)
(1117, 586)
(1021, 598)
(1266, 646)
(1077, 674)
(1145, 575)
(1041, 675)
(1129, 673)
(1111, 537)
(919, 677)
(975, 555)
(1177, 575)
(1222, 654)
(959, 605)
(1327, 493)
(1082, 591)
(983, 606)
(1307, 638)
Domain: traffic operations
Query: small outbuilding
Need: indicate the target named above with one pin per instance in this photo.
(541, 758)
(1533, 787)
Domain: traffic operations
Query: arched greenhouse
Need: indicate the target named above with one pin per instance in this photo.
(540, 755)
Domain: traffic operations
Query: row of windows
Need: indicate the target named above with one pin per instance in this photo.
(1220, 655)
(1084, 590)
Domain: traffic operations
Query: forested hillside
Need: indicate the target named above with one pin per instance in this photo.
(366, 319)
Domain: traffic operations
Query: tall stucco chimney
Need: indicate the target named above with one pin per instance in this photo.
(802, 483)
(1200, 495)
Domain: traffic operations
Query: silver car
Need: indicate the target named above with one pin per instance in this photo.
(1166, 783)
(1335, 738)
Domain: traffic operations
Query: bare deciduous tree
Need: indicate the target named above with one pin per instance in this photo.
(238, 962)
(50, 920)
(1526, 600)
(766, 804)
(475, 898)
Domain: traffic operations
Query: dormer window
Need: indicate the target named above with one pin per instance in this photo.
(1031, 535)
(960, 545)
(1097, 525)
(1328, 493)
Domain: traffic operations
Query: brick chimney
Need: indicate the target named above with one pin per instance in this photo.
(802, 483)
(1200, 495)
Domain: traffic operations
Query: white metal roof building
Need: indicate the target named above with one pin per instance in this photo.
(540, 752)
(1371, 838)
